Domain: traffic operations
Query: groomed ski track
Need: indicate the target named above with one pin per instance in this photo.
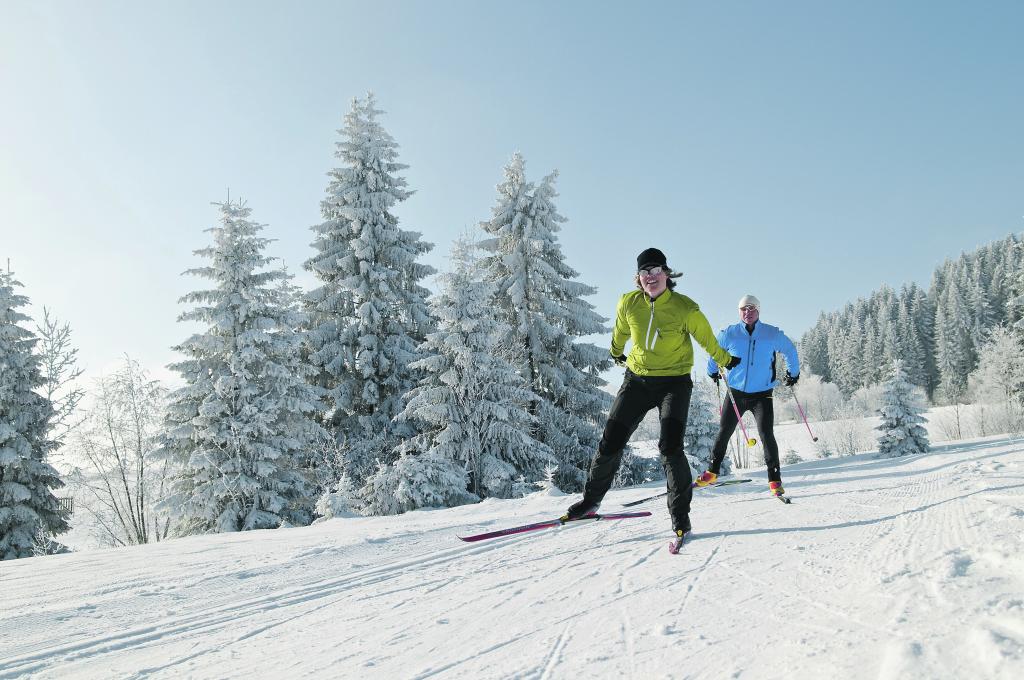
(904, 568)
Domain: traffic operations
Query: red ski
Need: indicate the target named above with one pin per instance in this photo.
(550, 524)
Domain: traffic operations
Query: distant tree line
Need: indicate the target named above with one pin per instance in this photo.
(938, 334)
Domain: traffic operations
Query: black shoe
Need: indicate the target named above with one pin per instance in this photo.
(580, 509)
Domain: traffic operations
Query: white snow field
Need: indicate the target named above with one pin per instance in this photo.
(902, 568)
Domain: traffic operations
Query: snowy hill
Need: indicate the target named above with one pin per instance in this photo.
(902, 568)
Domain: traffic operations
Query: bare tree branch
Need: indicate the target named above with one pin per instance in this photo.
(115, 442)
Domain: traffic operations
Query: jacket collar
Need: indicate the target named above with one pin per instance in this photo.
(742, 327)
(660, 300)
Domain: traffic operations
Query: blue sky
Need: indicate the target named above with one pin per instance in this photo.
(806, 152)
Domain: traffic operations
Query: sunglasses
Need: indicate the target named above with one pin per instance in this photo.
(748, 308)
(651, 271)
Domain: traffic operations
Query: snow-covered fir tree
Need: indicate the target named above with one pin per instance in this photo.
(983, 316)
(29, 512)
(702, 424)
(1013, 285)
(909, 346)
(370, 313)
(471, 407)
(999, 378)
(954, 346)
(538, 298)
(901, 432)
(238, 430)
(922, 314)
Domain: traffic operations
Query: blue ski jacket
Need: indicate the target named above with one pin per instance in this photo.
(757, 371)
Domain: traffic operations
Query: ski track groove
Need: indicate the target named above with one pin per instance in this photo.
(581, 560)
(208, 618)
(699, 576)
(584, 560)
(626, 629)
(555, 655)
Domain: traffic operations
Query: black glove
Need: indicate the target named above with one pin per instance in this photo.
(716, 376)
(620, 360)
(790, 380)
(733, 363)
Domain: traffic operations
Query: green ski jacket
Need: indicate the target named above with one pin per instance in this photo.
(660, 330)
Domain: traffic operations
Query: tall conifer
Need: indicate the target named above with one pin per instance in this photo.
(239, 428)
(538, 297)
(370, 313)
(29, 512)
(472, 406)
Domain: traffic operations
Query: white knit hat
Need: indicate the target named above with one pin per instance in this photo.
(750, 300)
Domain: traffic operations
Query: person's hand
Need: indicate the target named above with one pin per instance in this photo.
(716, 376)
(790, 380)
(620, 360)
(733, 363)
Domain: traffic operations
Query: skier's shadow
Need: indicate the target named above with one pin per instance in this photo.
(824, 527)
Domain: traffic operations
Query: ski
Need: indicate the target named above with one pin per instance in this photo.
(785, 499)
(550, 524)
(726, 482)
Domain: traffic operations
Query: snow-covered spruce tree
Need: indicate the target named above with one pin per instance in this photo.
(909, 346)
(238, 429)
(954, 348)
(1014, 285)
(999, 378)
(544, 307)
(702, 427)
(471, 407)
(901, 431)
(29, 512)
(370, 313)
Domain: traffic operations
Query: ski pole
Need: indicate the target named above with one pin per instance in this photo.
(736, 409)
(793, 390)
(719, 389)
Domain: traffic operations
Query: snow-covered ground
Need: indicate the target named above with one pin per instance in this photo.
(904, 568)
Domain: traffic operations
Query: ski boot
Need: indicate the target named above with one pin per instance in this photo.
(706, 478)
(680, 535)
(776, 488)
(580, 509)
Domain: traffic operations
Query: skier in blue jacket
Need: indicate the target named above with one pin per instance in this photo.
(751, 383)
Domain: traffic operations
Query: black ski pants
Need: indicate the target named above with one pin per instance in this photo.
(763, 408)
(637, 396)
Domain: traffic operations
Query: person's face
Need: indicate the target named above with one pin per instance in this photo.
(653, 280)
(749, 314)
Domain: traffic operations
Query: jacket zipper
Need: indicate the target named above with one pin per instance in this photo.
(750, 360)
(647, 341)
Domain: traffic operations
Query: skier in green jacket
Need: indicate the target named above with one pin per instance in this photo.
(660, 323)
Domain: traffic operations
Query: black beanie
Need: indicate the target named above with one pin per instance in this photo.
(649, 258)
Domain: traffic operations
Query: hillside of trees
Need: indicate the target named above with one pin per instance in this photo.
(939, 334)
